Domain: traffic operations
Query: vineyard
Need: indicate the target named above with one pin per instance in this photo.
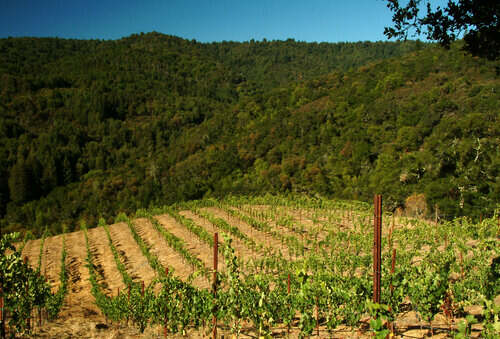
(269, 266)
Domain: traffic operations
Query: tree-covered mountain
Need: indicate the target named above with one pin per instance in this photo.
(92, 128)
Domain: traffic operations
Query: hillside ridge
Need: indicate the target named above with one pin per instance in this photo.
(91, 128)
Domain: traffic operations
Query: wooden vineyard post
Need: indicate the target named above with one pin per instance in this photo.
(142, 288)
(393, 224)
(377, 223)
(216, 252)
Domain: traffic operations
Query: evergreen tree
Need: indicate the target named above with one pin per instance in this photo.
(20, 182)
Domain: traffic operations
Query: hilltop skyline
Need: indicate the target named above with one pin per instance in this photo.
(204, 21)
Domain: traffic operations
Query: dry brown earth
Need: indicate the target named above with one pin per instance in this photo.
(195, 245)
(135, 262)
(241, 249)
(110, 277)
(51, 260)
(167, 256)
(263, 238)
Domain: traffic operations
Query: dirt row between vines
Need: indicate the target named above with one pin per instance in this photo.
(298, 219)
(265, 239)
(131, 256)
(193, 243)
(335, 221)
(51, 260)
(31, 251)
(109, 277)
(167, 256)
(80, 316)
(240, 248)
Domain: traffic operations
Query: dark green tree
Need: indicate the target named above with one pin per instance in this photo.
(20, 182)
(4, 190)
(49, 175)
(478, 20)
(68, 171)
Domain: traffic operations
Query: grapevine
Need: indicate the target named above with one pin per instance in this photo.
(437, 269)
(22, 287)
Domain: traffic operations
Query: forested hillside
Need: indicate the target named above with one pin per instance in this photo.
(93, 128)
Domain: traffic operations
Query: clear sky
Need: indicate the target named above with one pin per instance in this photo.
(203, 20)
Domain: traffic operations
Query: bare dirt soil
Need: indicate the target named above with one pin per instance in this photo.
(195, 245)
(263, 238)
(51, 260)
(135, 262)
(240, 248)
(108, 275)
(167, 256)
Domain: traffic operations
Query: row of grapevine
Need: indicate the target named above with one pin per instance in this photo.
(437, 266)
(55, 303)
(260, 299)
(152, 259)
(270, 260)
(175, 243)
(24, 289)
(40, 254)
(127, 280)
(293, 244)
(140, 304)
(126, 305)
(437, 269)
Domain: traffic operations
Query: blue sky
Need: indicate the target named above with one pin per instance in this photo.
(203, 20)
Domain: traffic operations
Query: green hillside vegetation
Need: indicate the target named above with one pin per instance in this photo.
(92, 128)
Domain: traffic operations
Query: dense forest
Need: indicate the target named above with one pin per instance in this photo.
(91, 128)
